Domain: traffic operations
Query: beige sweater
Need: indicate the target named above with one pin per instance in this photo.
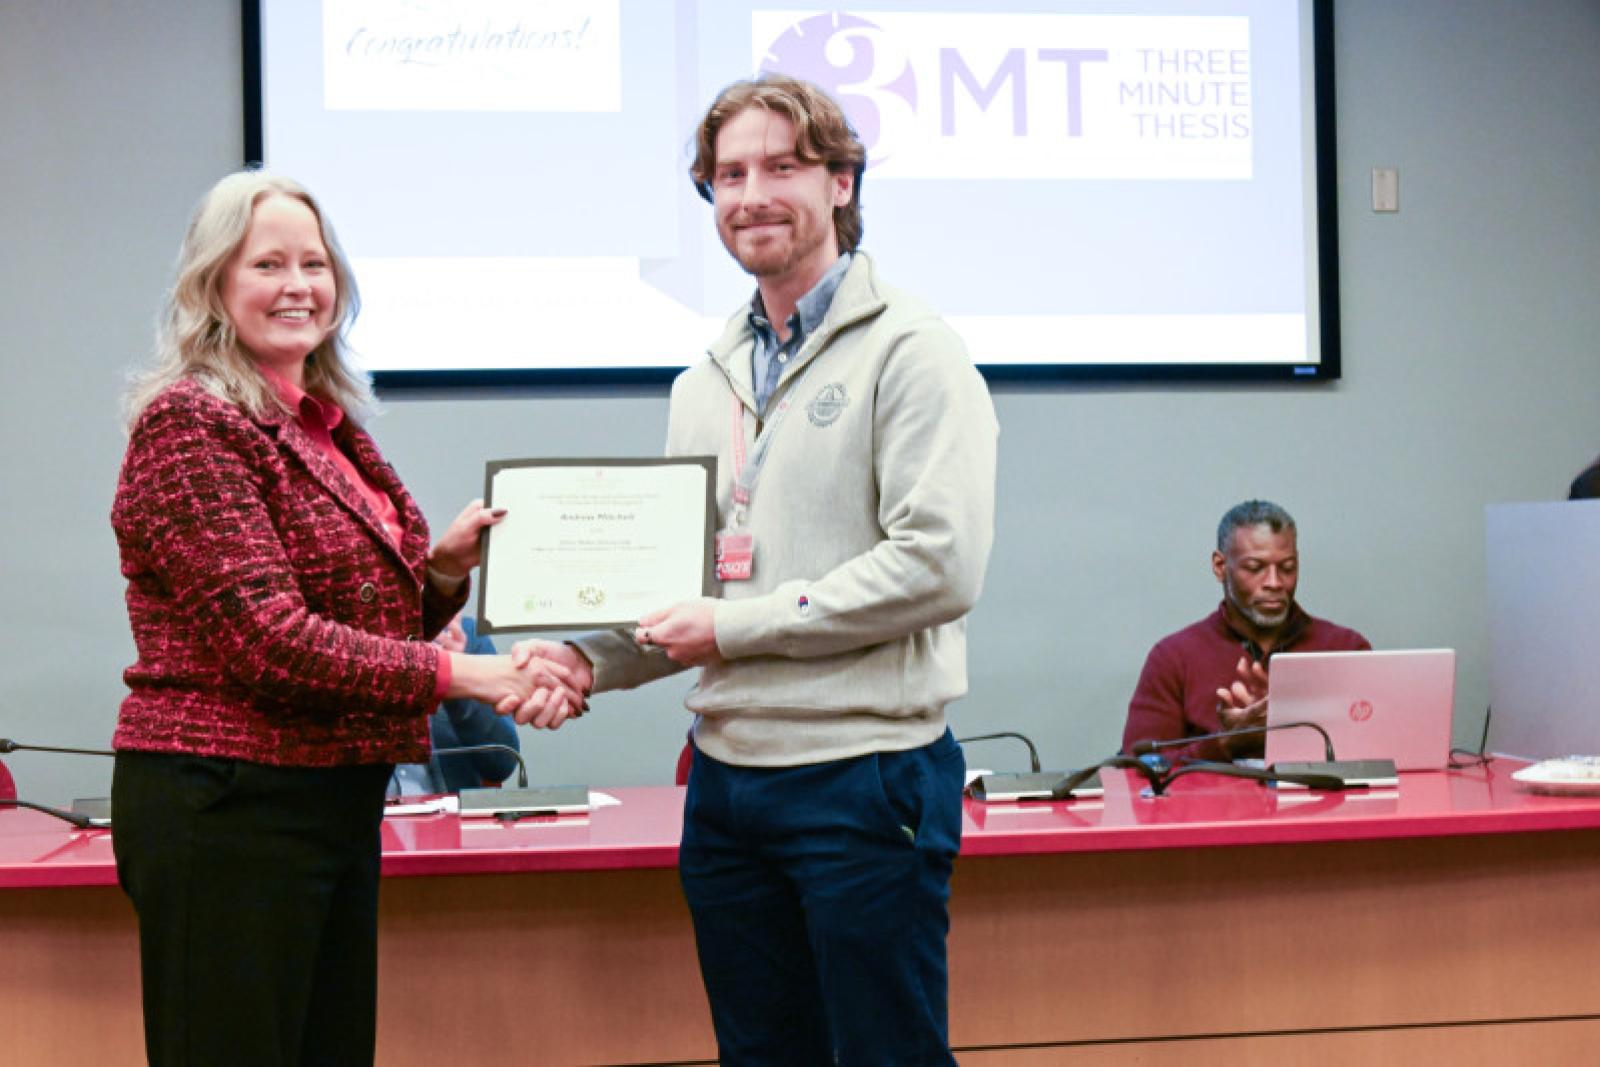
(872, 519)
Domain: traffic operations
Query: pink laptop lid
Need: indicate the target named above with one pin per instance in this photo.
(1393, 705)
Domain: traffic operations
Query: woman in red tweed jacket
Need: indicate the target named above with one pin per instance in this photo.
(281, 592)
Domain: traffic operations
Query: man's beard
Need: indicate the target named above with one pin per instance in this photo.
(1256, 616)
(777, 258)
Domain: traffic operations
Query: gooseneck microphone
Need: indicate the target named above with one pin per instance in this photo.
(1150, 748)
(1033, 785)
(1033, 753)
(462, 750)
(1054, 785)
(8, 745)
(82, 822)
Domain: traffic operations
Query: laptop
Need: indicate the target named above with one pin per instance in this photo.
(1394, 705)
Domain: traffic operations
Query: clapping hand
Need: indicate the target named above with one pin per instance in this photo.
(1244, 703)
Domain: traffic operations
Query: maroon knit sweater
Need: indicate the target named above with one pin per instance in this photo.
(1177, 692)
(274, 620)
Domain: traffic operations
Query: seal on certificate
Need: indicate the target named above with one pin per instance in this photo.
(828, 405)
(591, 596)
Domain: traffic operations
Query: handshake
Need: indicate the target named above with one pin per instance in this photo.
(540, 684)
(544, 683)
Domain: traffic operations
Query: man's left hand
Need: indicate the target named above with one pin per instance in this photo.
(1244, 703)
(686, 632)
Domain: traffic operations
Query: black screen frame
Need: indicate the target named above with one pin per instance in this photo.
(1329, 367)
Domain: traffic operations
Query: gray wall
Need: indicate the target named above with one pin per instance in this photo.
(1471, 373)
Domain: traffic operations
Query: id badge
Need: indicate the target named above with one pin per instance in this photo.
(735, 554)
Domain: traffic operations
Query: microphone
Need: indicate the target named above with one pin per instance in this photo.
(462, 750)
(82, 822)
(1151, 747)
(1059, 785)
(1035, 785)
(8, 745)
(1033, 753)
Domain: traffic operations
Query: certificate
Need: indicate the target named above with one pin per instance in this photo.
(590, 543)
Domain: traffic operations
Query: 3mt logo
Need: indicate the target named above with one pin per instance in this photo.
(841, 54)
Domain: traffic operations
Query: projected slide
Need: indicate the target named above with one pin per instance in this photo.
(1068, 186)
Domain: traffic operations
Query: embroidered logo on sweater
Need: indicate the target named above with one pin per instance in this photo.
(828, 405)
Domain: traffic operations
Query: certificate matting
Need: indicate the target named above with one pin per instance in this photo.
(590, 543)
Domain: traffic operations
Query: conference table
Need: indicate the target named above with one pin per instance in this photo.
(1449, 920)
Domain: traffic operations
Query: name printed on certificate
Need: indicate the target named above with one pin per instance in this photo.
(591, 543)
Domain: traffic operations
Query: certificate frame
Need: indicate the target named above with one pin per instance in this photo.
(690, 557)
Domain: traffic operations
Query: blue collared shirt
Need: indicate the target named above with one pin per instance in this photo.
(769, 355)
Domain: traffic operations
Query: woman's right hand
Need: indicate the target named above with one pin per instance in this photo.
(540, 693)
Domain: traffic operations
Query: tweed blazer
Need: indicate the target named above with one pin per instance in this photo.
(274, 620)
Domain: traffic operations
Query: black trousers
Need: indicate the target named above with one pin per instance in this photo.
(257, 894)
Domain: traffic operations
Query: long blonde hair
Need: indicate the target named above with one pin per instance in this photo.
(197, 340)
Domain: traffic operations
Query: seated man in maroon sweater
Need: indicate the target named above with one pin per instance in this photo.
(1212, 676)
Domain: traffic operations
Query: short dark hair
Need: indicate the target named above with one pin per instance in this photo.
(822, 135)
(1252, 513)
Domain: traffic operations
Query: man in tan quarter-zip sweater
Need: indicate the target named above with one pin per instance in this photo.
(855, 447)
